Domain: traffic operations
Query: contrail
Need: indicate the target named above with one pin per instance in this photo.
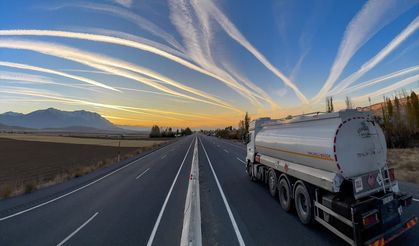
(34, 79)
(372, 82)
(389, 88)
(128, 15)
(235, 34)
(373, 16)
(50, 71)
(128, 43)
(197, 35)
(111, 65)
(150, 112)
(370, 64)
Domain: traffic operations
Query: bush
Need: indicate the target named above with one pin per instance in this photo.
(5, 191)
(29, 188)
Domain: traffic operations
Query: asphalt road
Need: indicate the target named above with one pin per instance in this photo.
(143, 202)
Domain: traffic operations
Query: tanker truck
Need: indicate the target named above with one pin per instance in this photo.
(331, 168)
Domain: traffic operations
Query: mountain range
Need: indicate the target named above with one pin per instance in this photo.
(52, 118)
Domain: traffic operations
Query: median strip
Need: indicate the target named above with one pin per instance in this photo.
(78, 229)
(191, 231)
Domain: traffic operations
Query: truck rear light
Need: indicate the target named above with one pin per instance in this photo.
(257, 158)
(378, 242)
(391, 174)
(370, 218)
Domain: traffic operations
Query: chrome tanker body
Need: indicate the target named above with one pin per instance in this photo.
(332, 168)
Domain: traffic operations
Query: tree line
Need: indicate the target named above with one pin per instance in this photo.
(235, 133)
(157, 132)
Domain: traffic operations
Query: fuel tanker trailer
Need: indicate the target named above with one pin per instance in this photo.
(331, 168)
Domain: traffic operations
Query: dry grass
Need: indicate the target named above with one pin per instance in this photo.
(26, 166)
(406, 163)
(81, 140)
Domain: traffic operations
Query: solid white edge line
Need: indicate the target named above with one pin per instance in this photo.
(240, 160)
(139, 176)
(230, 214)
(78, 189)
(78, 229)
(191, 230)
(416, 200)
(156, 225)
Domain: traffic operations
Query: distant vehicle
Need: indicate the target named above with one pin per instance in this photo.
(332, 168)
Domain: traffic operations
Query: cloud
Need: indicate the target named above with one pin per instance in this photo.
(235, 34)
(60, 98)
(51, 71)
(194, 25)
(25, 78)
(128, 15)
(370, 64)
(390, 88)
(125, 3)
(373, 16)
(221, 76)
(375, 81)
(115, 66)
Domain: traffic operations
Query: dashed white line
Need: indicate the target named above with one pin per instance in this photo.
(73, 191)
(78, 229)
(240, 160)
(156, 225)
(226, 151)
(141, 174)
(230, 214)
(163, 157)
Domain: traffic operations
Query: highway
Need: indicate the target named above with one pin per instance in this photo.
(195, 189)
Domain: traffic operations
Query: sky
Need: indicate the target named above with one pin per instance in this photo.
(203, 64)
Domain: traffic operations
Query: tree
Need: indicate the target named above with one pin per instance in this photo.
(348, 103)
(329, 104)
(415, 107)
(155, 132)
(246, 123)
(187, 131)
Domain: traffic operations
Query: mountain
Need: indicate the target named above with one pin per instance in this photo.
(52, 118)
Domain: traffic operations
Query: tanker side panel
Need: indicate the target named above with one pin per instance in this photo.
(308, 143)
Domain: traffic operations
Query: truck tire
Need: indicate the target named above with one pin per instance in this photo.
(303, 203)
(272, 182)
(284, 194)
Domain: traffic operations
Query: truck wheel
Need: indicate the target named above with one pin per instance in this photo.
(272, 182)
(284, 195)
(303, 204)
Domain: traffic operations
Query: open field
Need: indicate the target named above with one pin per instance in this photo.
(28, 165)
(406, 163)
(93, 140)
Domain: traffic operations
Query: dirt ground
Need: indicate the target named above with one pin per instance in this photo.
(28, 165)
(82, 140)
(406, 163)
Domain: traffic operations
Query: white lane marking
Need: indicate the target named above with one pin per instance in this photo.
(78, 229)
(156, 225)
(416, 200)
(230, 214)
(218, 145)
(226, 151)
(240, 160)
(191, 231)
(163, 157)
(141, 174)
(78, 189)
